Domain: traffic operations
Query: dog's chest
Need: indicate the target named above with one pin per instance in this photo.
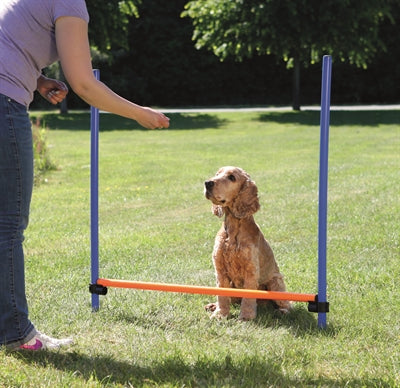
(235, 257)
(237, 238)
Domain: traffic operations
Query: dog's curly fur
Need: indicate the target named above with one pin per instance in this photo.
(242, 257)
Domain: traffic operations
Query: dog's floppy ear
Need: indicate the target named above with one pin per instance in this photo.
(218, 210)
(246, 203)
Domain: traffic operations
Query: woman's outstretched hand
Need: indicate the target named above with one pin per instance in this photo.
(152, 119)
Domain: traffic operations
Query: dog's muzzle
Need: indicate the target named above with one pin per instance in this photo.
(208, 188)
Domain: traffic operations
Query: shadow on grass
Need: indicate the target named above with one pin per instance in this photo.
(369, 118)
(80, 121)
(299, 321)
(174, 370)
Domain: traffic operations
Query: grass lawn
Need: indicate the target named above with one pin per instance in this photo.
(156, 225)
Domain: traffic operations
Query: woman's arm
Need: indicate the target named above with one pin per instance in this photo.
(74, 52)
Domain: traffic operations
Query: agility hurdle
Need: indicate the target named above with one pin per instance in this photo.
(316, 302)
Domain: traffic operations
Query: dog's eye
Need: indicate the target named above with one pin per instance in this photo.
(232, 178)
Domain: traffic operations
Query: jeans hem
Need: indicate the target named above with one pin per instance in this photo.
(16, 344)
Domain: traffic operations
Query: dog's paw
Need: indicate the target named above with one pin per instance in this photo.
(218, 314)
(284, 307)
(247, 317)
(211, 307)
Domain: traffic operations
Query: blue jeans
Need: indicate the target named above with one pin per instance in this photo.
(16, 183)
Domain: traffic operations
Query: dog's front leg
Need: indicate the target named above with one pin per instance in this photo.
(276, 283)
(223, 307)
(223, 302)
(248, 307)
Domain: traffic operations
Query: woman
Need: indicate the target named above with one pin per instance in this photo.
(34, 34)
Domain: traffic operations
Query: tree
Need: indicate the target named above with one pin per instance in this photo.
(163, 67)
(109, 21)
(299, 31)
(108, 31)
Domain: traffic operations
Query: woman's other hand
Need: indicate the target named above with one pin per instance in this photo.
(52, 90)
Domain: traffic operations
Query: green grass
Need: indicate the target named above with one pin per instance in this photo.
(156, 225)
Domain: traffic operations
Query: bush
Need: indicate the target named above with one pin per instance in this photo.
(42, 161)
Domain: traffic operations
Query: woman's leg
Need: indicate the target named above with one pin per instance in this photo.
(16, 182)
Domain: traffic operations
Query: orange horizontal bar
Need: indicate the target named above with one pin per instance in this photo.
(231, 292)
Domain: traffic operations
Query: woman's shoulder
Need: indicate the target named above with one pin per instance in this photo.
(70, 8)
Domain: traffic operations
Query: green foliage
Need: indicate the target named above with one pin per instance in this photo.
(109, 21)
(42, 161)
(297, 31)
(290, 28)
(161, 67)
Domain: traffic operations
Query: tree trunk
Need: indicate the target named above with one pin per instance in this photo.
(64, 106)
(296, 83)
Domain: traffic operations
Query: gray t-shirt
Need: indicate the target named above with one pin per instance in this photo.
(27, 42)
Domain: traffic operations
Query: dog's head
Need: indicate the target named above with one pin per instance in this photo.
(232, 188)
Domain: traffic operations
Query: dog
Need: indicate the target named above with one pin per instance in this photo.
(241, 256)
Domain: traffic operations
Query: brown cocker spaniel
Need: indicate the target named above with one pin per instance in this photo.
(242, 257)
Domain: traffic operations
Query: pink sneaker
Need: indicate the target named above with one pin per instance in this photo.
(41, 341)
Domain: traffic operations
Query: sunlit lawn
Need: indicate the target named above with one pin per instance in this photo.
(156, 225)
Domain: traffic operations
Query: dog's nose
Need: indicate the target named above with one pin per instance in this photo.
(209, 184)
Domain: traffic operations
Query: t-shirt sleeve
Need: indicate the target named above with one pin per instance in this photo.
(75, 8)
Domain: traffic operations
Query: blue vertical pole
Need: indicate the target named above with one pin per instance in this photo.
(94, 197)
(323, 183)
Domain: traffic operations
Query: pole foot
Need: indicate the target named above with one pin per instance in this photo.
(318, 307)
(97, 289)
